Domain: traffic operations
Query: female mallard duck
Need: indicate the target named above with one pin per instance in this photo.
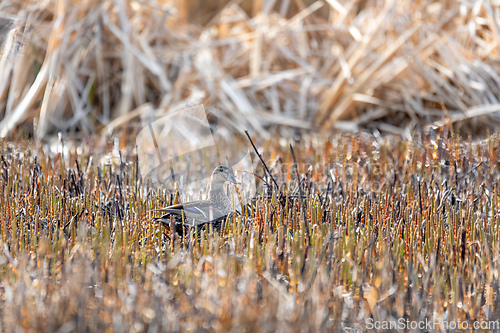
(216, 208)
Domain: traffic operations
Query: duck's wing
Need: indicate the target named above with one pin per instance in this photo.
(199, 211)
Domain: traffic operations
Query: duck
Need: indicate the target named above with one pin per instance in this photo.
(215, 208)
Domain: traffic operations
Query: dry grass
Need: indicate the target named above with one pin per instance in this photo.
(383, 65)
(397, 229)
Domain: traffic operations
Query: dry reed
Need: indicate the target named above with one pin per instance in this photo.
(386, 66)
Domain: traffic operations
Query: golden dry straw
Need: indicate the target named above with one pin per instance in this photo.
(383, 65)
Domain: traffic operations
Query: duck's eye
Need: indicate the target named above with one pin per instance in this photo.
(221, 170)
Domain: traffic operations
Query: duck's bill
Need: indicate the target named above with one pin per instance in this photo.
(233, 180)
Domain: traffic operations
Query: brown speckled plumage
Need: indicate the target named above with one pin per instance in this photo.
(216, 208)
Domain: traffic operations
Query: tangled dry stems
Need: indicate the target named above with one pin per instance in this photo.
(383, 65)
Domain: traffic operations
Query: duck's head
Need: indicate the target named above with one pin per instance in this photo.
(222, 174)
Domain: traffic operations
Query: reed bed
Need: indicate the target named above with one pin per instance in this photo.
(376, 229)
(386, 66)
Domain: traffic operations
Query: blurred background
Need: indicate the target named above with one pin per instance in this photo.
(281, 67)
